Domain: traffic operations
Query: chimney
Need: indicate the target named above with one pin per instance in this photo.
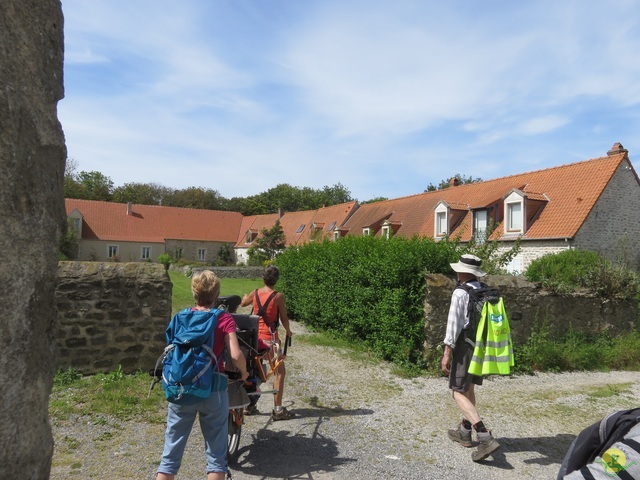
(454, 182)
(279, 213)
(616, 149)
(129, 208)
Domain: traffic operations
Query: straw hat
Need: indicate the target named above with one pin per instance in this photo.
(469, 264)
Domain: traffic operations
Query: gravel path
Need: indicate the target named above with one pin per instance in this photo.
(355, 420)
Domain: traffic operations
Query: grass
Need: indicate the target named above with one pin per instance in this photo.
(182, 297)
(114, 394)
(102, 396)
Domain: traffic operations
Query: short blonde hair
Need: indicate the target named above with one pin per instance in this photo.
(205, 287)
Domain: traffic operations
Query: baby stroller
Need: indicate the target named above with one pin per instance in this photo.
(242, 394)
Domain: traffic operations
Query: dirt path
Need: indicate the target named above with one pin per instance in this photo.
(355, 420)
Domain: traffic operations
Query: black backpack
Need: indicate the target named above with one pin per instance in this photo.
(262, 310)
(596, 439)
(477, 298)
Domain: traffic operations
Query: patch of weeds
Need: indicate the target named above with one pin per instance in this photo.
(104, 436)
(65, 378)
(72, 443)
(609, 390)
(76, 465)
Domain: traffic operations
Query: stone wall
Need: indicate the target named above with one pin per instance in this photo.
(612, 228)
(32, 156)
(111, 314)
(527, 306)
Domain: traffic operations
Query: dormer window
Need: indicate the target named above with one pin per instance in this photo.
(514, 213)
(251, 236)
(366, 231)
(480, 223)
(386, 231)
(336, 234)
(441, 217)
(514, 217)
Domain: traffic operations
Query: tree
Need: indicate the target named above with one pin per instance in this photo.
(375, 199)
(446, 183)
(86, 185)
(195, 197)
(141, 193)
(69, 244)
(268, 245)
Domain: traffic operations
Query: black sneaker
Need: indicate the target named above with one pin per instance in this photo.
(251, 410)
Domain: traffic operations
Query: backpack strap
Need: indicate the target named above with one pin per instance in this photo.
(262, 309)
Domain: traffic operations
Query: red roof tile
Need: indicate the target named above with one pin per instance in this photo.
(152, 223)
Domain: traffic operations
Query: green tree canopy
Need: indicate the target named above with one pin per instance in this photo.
(141, 193)
(446, 183)
(267, 246)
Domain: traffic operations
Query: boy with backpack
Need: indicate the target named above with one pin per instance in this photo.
(269, 305)
(194, 381)
(459, 345)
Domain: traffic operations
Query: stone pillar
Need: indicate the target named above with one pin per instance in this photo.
(32, 156)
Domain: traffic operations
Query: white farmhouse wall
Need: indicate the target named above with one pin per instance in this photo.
(613, 226)
(97, 250)
(529, 251)
(242, 257)
(190, 249)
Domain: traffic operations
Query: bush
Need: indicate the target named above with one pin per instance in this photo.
(165, 260)
(570, 270)
(365, 288)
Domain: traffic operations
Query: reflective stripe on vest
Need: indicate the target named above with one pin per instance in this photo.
(493, 353)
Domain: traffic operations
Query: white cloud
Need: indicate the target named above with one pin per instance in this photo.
(384, 97)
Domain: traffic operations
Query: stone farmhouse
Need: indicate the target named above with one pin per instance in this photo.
(590, 205)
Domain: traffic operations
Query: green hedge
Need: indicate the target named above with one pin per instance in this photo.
(365, 288)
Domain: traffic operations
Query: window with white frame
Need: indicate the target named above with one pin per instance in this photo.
(441, 223)
(202, 254)
(77, 224)
(145, 253)
(336, 234)
(386, 231)
(480, 223)
(112, 251)
(366, 231)
(514, 217)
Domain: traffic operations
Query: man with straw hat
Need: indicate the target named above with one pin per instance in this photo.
(459, 343)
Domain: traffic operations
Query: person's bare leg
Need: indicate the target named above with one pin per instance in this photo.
(278, 384)
(215, 476)
(466, 403)
(166, 476)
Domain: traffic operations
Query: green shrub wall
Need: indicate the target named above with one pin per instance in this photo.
(365, 288)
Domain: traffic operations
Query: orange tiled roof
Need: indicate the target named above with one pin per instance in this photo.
(255, 223)
(569, 192)
(152, 223)
(326, 219)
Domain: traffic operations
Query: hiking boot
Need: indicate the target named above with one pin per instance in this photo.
(281, 415)
(251, 410)
(461, 435)
(487, 446)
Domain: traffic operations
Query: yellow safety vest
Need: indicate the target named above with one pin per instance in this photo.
(493, 353)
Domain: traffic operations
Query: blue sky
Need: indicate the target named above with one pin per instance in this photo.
(384, 97)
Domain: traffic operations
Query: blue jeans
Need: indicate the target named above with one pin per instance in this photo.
(214, 416)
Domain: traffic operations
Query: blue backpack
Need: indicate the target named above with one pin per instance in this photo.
(188, 360)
